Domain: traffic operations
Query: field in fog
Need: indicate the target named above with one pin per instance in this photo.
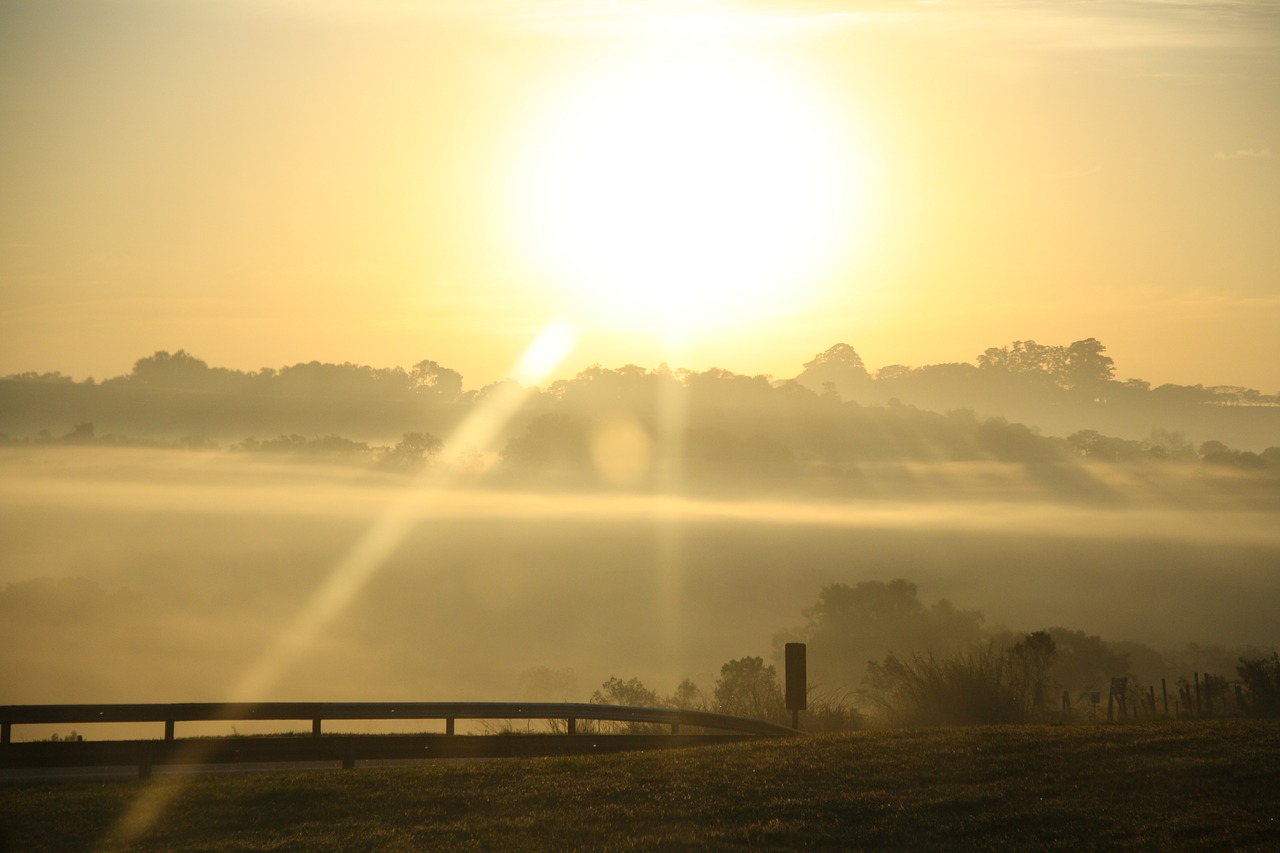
(158, 576)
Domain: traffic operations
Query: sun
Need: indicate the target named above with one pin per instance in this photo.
(678, 191)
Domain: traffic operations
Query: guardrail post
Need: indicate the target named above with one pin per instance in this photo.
(675, 728)
(168, 729)
(6, 732)
(315, 727)
(573, 725)
(448, 725)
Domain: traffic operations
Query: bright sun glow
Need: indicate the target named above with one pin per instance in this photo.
(679, 191)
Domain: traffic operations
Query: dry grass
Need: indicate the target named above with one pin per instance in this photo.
(1197, 784)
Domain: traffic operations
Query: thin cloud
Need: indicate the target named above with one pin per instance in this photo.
(1244, 154)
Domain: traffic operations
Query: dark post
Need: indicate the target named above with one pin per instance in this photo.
(6, 732)
(1164, 692)
(168, 729)
(797, 681)
(315, 727)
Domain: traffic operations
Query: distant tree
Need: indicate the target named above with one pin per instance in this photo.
(615, 691)
(851, 625)
(1213, 448)
(893, 372)
(1261, 677)
(80, 434)
(1094, 445)
(411, 452)
(688, 697)
(170, 370)
(839, 366)
(442, 380)
(748, 688)
(1029, 664)
(1085, 367)
(1013, 442)
(1084, 662)
(1025, 359)
(633, 693)
(552, 443)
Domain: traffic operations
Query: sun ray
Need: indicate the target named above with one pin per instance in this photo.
(350, 575)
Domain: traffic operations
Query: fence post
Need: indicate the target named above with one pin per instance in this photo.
(6, 732)
(573, 725)
(168, 729)
(448, 725)
(1164, 691)
(1199, 707)
(315, 727)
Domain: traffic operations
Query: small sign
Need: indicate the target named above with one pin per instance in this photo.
(797, 678)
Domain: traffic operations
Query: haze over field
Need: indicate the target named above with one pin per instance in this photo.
(491, 350)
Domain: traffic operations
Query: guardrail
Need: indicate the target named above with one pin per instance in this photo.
(349, 748)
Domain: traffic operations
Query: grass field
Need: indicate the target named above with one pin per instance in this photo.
(1212, 785)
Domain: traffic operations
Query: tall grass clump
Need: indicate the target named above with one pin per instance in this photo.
(926, 691)
(983, 686)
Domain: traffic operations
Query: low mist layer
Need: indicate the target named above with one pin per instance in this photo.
(165, 575)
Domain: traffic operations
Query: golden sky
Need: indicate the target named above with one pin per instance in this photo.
(733, 184)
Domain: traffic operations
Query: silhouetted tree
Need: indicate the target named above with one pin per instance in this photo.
(748, 688)
(1085, 366)
(1029, 664)
(411, 452)
(432, 376)
(851, 625)
(688, 697)
(839, 367)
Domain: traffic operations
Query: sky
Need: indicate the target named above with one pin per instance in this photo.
(731, 184)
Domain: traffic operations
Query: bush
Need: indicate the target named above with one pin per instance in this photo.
(965, 689)
(1261, 677)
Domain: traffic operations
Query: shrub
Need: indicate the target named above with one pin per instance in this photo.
(1261, 677)
(964, 689)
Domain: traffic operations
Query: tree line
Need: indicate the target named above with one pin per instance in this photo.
(834, 416)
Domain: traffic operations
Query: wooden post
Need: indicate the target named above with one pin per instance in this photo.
(6, 732)
(448, 725)
(797, 680)
(168, 729)
(1151, 689)
(573, 725)
(1164, 691)
(315, 727)
(1199, 707)
(1111, 701)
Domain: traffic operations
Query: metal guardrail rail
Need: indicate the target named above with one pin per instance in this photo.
(349, 748)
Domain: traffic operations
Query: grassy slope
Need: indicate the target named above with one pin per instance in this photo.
(1201, 785)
